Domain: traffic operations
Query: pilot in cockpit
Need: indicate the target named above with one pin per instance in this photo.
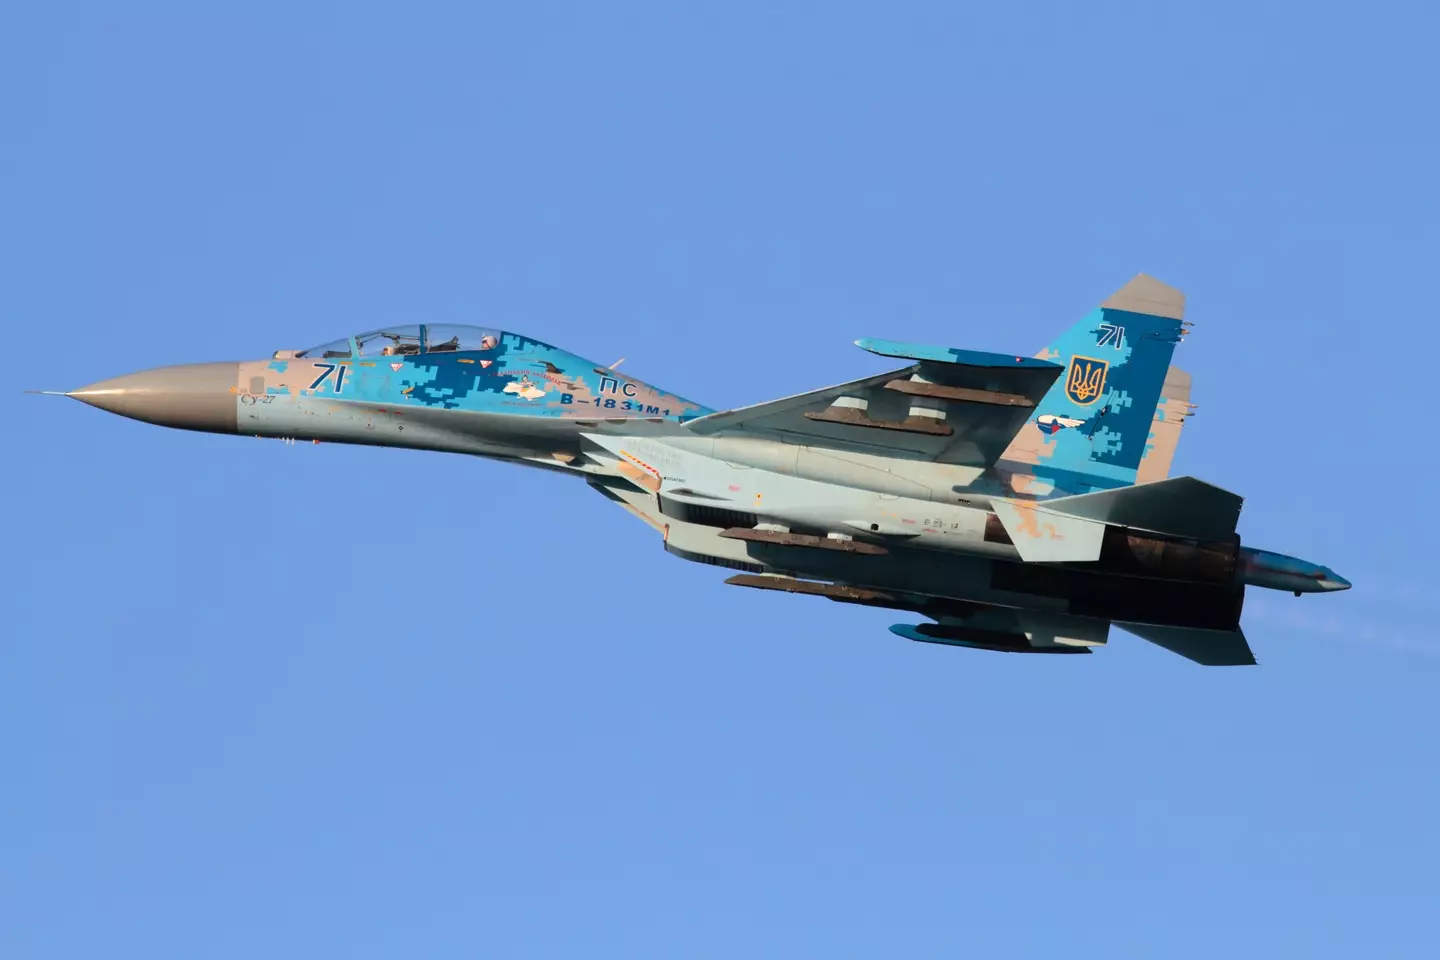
(488, 342)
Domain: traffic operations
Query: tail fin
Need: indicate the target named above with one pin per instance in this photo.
(1096, 419)
(1171, 413)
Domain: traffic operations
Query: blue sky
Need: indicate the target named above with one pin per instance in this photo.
(259, 700)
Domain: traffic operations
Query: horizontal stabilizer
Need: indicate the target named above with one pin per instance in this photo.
(1181, 507)
(1044, 537)
(1213, 648)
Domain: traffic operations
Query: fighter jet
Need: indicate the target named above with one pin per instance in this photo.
(1016, 503)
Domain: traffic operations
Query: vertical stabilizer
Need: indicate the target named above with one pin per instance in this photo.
(1171, 413)
(1095, 423)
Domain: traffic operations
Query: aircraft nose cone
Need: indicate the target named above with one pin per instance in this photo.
(1333, 581)
(194, 396)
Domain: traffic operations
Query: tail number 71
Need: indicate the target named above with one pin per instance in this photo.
(326, 369)
(1111, 334)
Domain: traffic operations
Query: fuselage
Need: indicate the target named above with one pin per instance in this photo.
(451, 388)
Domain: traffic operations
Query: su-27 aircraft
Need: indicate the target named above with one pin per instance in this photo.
(1019, 504)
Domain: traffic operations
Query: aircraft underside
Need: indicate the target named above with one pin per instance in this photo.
(977, 602)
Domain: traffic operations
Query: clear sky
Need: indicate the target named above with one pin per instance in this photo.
(271, 701)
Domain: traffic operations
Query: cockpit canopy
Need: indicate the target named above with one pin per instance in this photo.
(408, 340)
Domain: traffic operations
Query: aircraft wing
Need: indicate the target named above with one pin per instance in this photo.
(950, 406)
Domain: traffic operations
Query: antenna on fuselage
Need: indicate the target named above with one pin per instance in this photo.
(616, 364)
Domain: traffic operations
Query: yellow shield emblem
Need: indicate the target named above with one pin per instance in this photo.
(1085, 380)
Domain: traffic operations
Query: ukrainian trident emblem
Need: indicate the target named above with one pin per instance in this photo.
(1085, 380)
